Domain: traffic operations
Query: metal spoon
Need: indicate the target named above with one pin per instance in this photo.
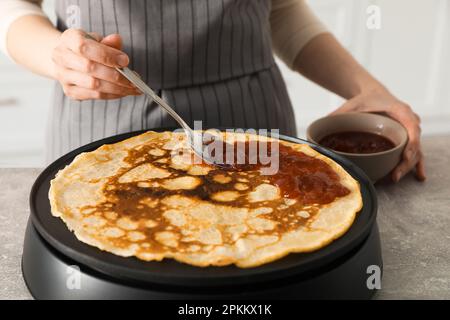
(192, 136)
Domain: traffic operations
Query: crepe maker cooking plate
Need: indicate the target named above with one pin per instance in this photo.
(338, 270)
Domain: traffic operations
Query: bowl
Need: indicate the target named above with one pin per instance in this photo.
(375, 165)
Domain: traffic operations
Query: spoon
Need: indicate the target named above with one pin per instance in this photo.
(193, 136)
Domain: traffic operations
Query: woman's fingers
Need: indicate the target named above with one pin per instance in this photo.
(64, 57)
(103, 72)
(407, 164)
(412, 154)
(93, 50)
(113, 40)
(79, 79)
(70, 60)
(87, 67)
(420, 170)
(79, 93)
(409, 161)
(96, 36)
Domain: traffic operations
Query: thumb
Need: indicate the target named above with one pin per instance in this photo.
(349, 105)
(113, 40)
(96, 36)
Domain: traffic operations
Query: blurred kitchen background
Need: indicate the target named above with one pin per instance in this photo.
(409, 54)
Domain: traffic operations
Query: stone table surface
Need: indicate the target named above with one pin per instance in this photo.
(414, 222)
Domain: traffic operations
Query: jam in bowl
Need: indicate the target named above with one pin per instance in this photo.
(373, 142)
(357, 142)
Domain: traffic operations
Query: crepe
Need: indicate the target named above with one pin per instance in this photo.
(147, 197)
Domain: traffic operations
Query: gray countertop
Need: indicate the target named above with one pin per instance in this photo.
(414, 221)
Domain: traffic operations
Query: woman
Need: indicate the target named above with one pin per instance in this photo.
(211, 60)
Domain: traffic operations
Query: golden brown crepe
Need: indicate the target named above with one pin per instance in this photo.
(142, 197)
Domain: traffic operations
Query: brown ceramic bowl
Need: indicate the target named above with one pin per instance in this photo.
(375, 165)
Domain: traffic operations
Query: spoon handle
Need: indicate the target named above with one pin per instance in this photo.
(141, 85)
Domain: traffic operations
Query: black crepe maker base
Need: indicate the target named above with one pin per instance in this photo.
(55, 265)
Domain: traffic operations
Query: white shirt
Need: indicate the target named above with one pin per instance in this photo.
(11, 10)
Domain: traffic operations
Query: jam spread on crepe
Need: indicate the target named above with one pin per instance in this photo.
(357, 142)
(307, 178)
(298, 176)
(303, 179)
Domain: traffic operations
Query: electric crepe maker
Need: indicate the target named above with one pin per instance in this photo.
(55, 265)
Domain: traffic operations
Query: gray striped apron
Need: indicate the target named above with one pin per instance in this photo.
(210, 59)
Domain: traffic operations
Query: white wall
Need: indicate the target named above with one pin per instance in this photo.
(410, 54)
(24, 102)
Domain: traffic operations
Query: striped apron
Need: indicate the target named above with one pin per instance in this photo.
(210, 59)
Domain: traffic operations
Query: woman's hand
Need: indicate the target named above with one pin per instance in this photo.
(381, 100)
(86, 68)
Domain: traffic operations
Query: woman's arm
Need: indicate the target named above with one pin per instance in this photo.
(292, 26)
(11, 10)
(30, 42)
(304, 44)
(324, 61)
(85, 68)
